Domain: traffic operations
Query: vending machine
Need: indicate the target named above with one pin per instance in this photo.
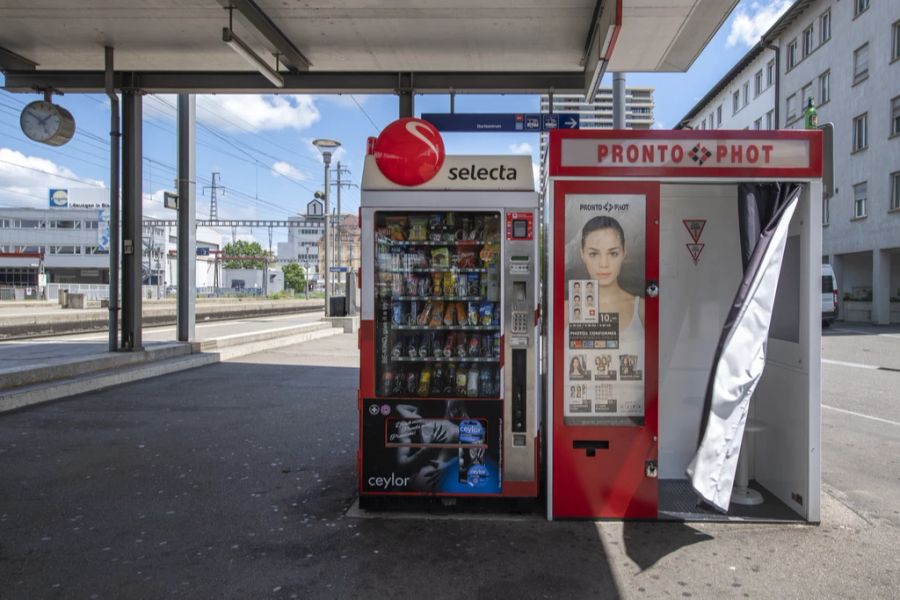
(449, 335)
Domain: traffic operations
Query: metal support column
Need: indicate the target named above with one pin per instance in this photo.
(187, 203)
(618, 100)
(115, 245)
(132, 213)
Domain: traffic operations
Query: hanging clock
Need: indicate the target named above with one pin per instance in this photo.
(47, 123)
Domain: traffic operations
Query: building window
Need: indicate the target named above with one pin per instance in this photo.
(770, 119)
(825, 27)
(826, 216)
(859, 200)
(859, 7)
(792, 54)
(895, 190)
(770, 73)
(895, 116)
(895, 53)
(735, 102)
(757, 83)
(861, 132)
(757, 124)
(806, 93)
(791, 107)
(824, 87)
(719, 116)
(746, 92)
(807, 41)
(861, 63)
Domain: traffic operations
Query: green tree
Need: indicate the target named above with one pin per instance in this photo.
(294, 277)
(244, 248)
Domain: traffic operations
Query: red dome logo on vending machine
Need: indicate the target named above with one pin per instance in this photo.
(409, 151)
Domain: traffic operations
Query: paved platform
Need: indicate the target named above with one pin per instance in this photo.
(235, 481)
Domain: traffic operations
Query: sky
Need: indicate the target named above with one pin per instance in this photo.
(262, 145)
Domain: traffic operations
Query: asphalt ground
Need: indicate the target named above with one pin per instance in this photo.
(235, 480)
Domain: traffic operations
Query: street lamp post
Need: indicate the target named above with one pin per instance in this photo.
(327, 148)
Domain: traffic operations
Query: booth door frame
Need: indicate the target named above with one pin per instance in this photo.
(591, 487)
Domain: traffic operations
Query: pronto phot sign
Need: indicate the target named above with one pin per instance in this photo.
(687, 154)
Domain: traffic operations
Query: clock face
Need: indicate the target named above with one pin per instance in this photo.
(47, 123)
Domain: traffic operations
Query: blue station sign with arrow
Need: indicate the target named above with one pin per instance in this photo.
(502, 122)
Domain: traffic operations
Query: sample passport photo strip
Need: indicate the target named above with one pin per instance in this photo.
(604, 288)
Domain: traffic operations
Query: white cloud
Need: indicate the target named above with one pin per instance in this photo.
(659, 125)
(521, 148)
(750, 22)
(24, 180)
(288, 170)
(249, 113)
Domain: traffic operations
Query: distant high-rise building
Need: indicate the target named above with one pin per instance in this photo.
(598, 114)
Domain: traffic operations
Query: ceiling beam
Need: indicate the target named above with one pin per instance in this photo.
(288, 53)
(10, 61)
(605, 28)
(332, 82)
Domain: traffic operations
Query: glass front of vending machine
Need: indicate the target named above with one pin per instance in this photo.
(448, 388)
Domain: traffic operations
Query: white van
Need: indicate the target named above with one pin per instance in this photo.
(829, 296)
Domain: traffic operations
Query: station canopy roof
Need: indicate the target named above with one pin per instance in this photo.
(427, 46)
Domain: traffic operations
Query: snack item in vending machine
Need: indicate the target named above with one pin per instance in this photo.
(437, 283)
(412, 350)
(398, 317)
(396, 224)
(497, 345)
(472, 382)
(472, 314)
(397, 350)
(449, 314)
(423, 287)
(462, 284)
(466, 229)
(487, 341)
(437, 316)
(461, 375)
(474, 284)
(466, 259)
(423, 317)
(449, 284)
(418, 229)
(413, 312)
(486, 311)
(495, 320)
(396, 285)
(440, 258)
(424, 382)
(460, 312)
(411, 284)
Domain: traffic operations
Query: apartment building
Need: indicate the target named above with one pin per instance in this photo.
(846, 57)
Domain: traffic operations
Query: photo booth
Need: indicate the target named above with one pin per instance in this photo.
(682, 307)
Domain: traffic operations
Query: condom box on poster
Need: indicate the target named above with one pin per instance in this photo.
(439, 446)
